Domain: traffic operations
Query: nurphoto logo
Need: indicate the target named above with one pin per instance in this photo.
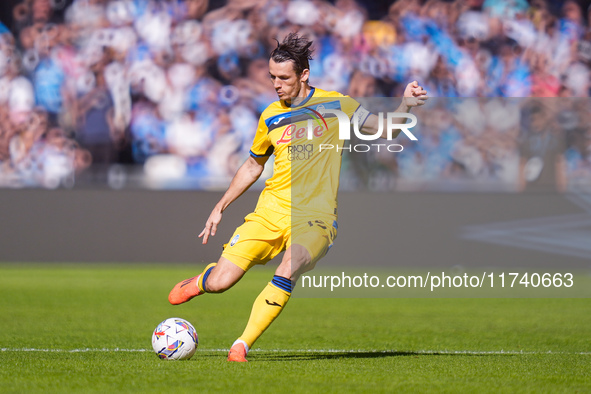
(391, 126)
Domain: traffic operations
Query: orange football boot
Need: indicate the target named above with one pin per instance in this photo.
(237, 353)
(184, 291)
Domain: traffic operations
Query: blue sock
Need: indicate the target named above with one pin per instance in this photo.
(282, 283)
(206, 275)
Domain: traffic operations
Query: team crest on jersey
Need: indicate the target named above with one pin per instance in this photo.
(234, 240)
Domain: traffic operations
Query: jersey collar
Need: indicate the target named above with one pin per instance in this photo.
(308, 97)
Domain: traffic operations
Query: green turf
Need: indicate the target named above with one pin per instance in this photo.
(317, 345)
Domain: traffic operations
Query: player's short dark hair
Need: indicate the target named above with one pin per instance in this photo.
(296, 49)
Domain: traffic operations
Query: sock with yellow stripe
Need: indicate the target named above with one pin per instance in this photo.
(266, 308)
(203, 277)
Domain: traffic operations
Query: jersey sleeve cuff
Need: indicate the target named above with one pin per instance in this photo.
(269, 152)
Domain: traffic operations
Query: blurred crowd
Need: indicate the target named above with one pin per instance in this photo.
(177, 86)
(488, 144)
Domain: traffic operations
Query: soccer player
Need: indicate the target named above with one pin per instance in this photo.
(296, 211)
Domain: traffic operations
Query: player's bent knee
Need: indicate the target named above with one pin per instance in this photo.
(296, 260)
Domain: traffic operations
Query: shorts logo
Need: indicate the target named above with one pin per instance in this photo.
(234, 240)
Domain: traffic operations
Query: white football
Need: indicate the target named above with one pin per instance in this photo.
(175, 339)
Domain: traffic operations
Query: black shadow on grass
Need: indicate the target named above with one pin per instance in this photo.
(307, 356)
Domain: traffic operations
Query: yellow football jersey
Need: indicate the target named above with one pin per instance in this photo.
(308, 151)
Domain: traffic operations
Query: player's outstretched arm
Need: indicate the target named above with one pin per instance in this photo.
(414, 96)
(246, 175)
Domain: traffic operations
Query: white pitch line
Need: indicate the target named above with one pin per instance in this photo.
(85, 350)
(424, 352)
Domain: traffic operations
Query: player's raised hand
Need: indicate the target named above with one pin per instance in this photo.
(414, 95)
(211, 225)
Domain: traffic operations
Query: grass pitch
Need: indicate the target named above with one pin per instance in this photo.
(87, 328)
